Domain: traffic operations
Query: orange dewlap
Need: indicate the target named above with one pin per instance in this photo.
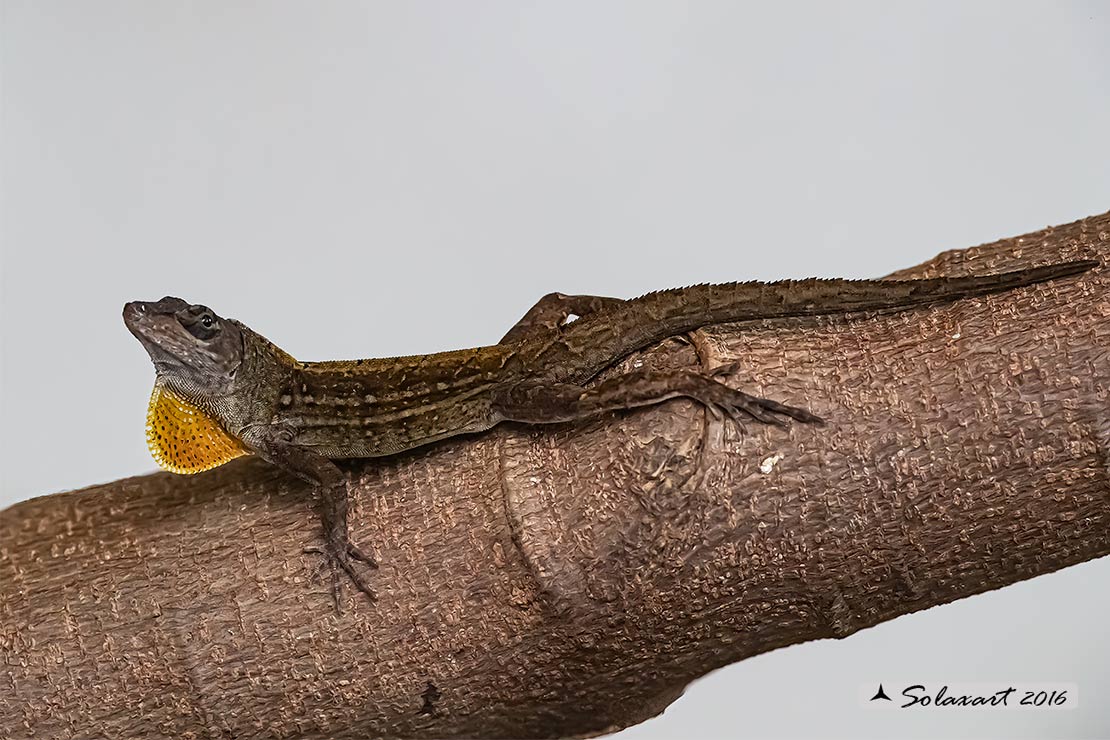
(184, 439)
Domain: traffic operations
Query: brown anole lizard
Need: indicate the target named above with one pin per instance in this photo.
(223, 391)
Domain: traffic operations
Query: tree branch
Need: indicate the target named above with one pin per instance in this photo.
(572, 580)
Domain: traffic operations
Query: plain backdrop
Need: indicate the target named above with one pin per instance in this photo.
(369, 179)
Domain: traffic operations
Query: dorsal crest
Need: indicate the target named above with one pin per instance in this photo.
(183, 438)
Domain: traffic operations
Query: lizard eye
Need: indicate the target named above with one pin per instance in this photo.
(200, 322)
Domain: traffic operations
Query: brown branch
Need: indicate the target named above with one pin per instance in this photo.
(573, 580)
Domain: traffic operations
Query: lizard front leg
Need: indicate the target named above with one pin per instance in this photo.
(551, 312)
(540, 402)
(337, 549)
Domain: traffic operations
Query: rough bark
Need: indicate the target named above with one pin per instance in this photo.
(572, 580)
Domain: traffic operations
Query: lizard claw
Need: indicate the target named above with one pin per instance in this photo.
(729, 368)
(356, 554)
(738, 406)
(792, 411)
(754, 406)
(338, 557)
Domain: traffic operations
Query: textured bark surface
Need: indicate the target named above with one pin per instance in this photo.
(573, 580)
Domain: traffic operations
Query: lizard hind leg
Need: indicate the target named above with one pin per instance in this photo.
(541, 402)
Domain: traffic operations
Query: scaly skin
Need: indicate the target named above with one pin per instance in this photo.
(303, 415)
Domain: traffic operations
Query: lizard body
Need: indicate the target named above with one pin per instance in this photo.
(222, 390)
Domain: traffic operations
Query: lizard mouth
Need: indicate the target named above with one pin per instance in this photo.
(136, 313)
(141, 321)
(157, 330)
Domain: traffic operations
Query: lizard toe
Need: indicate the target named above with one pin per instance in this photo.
(355, 553)
(339, 558)
(753, 407)
(798, 414)
(358, 580)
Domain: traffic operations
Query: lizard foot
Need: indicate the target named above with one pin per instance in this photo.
(721, 400)
(339, 557)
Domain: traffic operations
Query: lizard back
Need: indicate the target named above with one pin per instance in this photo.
(375, 407)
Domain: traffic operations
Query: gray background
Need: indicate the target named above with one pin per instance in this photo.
(427, 170)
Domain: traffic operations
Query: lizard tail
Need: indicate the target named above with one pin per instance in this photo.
(595, 342)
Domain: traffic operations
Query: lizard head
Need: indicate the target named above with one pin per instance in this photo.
(196, 355)
(187, 342)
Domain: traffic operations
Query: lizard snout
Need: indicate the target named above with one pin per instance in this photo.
(132, 311)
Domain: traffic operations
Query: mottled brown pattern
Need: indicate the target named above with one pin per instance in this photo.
(364, 408)
(573, 579)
